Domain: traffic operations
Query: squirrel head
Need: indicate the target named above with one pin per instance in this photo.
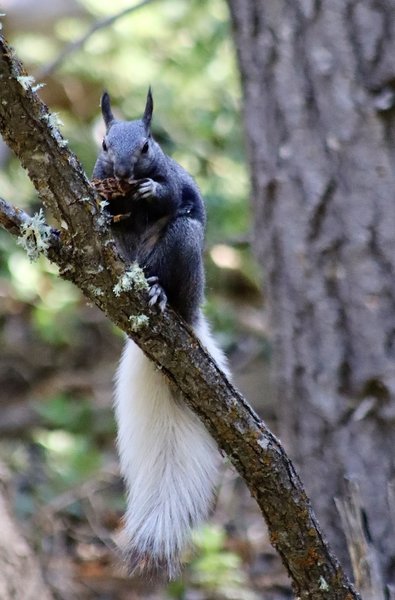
(128, 147)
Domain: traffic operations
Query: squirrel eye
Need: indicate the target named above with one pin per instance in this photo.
(144, 149)
(104, 145)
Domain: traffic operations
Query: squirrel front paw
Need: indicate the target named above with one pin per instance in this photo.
(146, 189)
(157, 294)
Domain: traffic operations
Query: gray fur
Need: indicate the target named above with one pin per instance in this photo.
(165, 231)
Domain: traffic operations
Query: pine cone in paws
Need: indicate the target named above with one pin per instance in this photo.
(112, 188)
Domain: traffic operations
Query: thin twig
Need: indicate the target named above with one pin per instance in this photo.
(80, 42)
(13, 219)
(78, 492)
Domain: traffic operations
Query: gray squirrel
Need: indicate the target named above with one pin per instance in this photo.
(167, 458)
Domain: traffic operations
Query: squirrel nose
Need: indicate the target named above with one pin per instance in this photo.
(122, 171)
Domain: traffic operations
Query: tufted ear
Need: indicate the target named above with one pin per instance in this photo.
(149, 107)
(105, 104)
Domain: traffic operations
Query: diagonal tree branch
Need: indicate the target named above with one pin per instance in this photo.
(89, 258)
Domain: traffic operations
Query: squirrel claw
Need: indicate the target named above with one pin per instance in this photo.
(153, 279)
(146, 189)
(156, 294)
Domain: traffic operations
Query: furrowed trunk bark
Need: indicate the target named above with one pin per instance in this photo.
(319, 95)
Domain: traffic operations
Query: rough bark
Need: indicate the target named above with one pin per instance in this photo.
(318, 83)
(87, 256)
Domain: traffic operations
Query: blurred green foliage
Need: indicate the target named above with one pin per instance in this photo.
(63, 412)
(215, 569)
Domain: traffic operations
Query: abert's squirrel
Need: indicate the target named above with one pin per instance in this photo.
(168, 459)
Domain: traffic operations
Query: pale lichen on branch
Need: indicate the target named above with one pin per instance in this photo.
(138, 322)
(27, 82)
(35, 236)
(132, 279)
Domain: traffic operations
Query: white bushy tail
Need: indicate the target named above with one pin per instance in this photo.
(168, 461)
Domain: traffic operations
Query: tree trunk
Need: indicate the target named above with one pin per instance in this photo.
(318, 83)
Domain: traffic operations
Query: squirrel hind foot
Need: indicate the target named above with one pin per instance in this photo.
(157, 294)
